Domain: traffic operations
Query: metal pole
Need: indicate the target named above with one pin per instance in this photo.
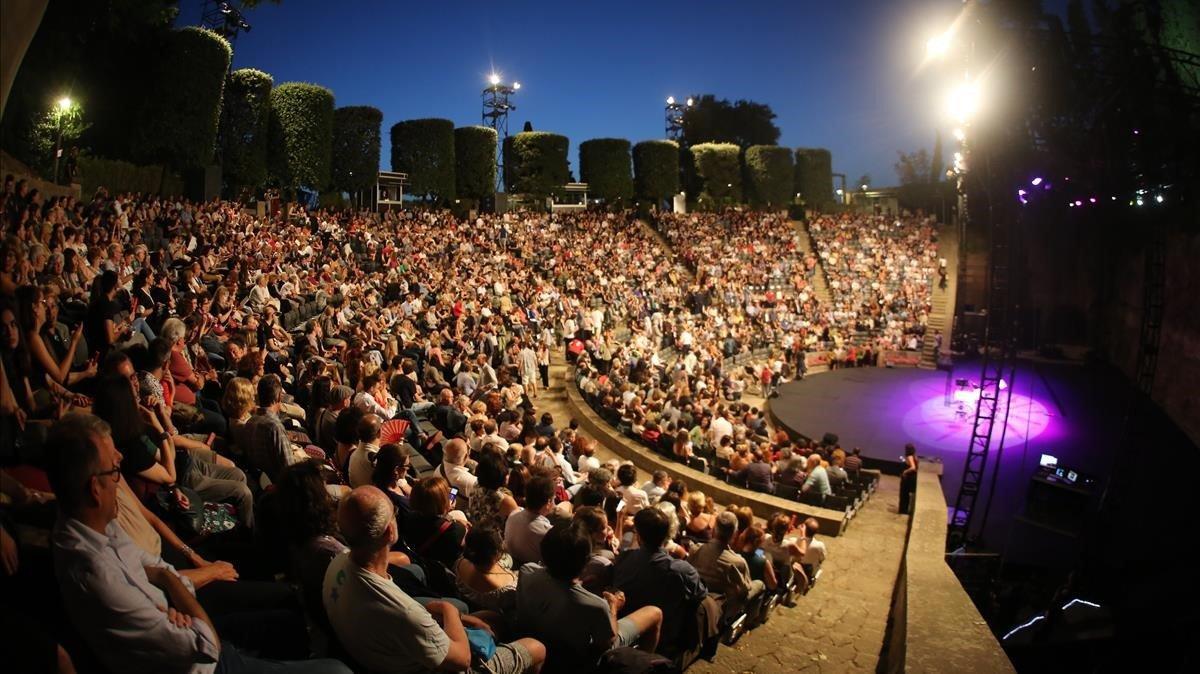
(58, 145)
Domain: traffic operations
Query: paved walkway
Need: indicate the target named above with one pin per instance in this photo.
(838, 626)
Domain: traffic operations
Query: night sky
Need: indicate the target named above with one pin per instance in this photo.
(844, 76)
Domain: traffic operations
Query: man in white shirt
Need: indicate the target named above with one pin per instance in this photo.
(362, 460)
(719, 428)
(135, 611)
(404, 636)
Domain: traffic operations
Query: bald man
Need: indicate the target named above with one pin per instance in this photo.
(403, 635)
(454, 467)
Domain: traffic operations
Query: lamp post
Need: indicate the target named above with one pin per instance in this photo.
(674, 116)
(64, 106)
(496, 106)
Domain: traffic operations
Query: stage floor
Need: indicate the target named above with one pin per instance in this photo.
(1070, 411)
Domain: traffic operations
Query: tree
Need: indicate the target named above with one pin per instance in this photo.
(744, 123)
(536, 163)
(814, 177)
(245, 117)
(656, 169)
(97, 52)
(913, 167)
(181, 109)
(475, 162)
(67, 120)
(769, 175)
(424, 149)
(356, 146)
(300, 143)
(935, 162)
(719, 174)
(605, 166)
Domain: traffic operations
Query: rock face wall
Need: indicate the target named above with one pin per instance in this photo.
(1083, 287)
(1177, 380)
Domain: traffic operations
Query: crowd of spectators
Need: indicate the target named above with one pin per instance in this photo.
(196, 402)
(880, 270)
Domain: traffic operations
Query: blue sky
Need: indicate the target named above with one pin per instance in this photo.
(838, 75)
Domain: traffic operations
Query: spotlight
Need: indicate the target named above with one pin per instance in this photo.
(494, 79)
(670, 100)
(1035, 182)
(1078, 202)
(689, 102)
(516, 85)
(64, 103)
(937, 45)
(959, 135)
(1093, 200)
(963, 103)
(226, 8)
(1158, 198)
(1139, 201)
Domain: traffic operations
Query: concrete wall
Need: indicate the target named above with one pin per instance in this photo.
(936, 627)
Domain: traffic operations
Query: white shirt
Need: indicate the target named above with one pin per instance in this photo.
(118, 611)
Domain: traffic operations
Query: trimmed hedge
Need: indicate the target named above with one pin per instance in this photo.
(245, 116)
(424, 149)
(769, 176)
(123, 176)
(356, 147)
(300, 147)
(604, 165)
(181, 105)
(814, 177)
(475, 161)
(656, 169)
(535, 163)
(718, 173)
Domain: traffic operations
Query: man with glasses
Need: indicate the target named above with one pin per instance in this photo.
(132, 608)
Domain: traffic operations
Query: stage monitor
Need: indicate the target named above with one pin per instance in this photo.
(1048, 461)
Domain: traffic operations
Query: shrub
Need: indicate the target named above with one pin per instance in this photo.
(424, 149)
(123, 176)
(718, 174)
(301, 135)
(356, 147)
(535, 163)
(181, 108)
(475, 162)
(656, 169)
(245, 115)
(814, 177)
(769, 175)
(604, 165)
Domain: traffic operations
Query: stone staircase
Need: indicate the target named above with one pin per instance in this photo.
(941, 315)
(820, 284)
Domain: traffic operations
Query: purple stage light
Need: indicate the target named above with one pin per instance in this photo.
(1036, 181)
(1093, 200)
(933, 423)
(1078, 202)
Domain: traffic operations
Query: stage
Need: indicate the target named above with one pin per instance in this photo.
(1067, 410)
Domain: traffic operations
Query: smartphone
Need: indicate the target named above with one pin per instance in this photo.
(453, 496)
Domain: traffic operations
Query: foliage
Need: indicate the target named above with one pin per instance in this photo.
(424, 149)
(45, 139)
(95, 52)
(245, 116)
(300, 145)
(178, 117)
(719, 174)
(913, 167)
(536, 163)
(356, 147)
(123, 176)
(475, 162)
(936, 167)
(814, 177)
(604, 165)
(769, 175)
(744, 123)
(656, 169)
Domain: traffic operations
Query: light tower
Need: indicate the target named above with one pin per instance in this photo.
(497, 103)
(674, 117)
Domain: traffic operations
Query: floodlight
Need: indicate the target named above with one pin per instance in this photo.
(64, 103)
(670, 100)
(494, 79)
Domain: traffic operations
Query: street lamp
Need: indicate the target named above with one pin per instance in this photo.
(64, 107)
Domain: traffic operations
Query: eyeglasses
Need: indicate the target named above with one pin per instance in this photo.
(115, 473)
